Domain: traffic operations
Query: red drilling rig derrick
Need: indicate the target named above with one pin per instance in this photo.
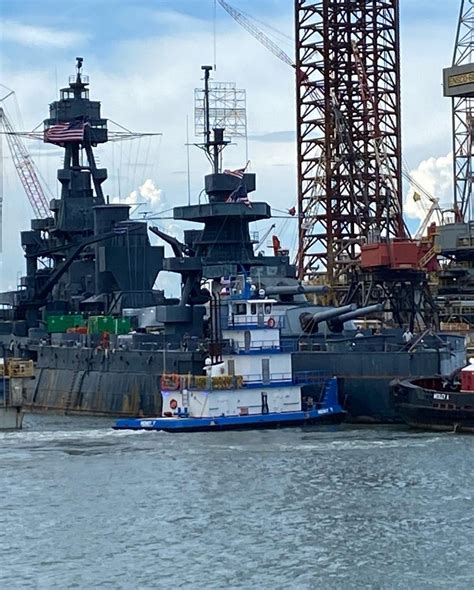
(348, 134)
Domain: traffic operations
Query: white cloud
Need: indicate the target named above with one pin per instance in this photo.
(147, 194)
(36, 36)
(435, 175)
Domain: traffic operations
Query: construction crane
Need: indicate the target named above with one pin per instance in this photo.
(257, 33)
(25, 168)
(265, 236)
(429, 212)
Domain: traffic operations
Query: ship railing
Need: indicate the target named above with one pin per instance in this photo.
(258, 345)
(84, 79)
(256, 378)
(260, 321)
(297, 378)
(310, 377)
(223, 382)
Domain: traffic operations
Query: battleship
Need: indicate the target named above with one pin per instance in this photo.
(90, 265)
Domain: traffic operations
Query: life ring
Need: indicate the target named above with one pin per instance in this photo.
(271, 322)
(170, 381)
(173, 404)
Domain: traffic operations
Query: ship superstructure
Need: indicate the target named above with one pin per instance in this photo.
(88, 255)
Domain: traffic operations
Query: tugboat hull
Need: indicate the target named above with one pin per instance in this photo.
(426, 404)
(220, 423)
(367, 376)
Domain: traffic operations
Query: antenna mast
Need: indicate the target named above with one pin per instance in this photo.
(218, 107)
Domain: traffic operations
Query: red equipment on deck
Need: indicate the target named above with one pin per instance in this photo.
(399, 255)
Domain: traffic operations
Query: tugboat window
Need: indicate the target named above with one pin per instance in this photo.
(253, 309)
(268, 308)
(240, 309)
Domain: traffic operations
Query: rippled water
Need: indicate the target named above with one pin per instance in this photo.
(83, 506)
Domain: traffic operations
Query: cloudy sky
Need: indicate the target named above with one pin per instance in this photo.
(143, 58)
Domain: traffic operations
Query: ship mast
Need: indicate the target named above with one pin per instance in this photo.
(214, 142)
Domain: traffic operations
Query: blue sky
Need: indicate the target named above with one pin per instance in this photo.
(144, 58)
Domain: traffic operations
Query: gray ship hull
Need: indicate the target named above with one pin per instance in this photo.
(366, 377)
(99, 383)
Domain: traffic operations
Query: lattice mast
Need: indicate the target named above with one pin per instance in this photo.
(459, 85)
(346, 195)
(219, 107)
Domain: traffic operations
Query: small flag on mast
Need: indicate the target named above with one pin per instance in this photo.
(239, 195)
(62, 133)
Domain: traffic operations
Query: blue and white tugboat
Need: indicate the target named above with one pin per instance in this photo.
(251, 384)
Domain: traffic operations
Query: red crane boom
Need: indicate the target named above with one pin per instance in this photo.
(25, 168)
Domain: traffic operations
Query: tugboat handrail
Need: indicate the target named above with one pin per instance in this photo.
(170, 382)
(258, 346)
(266, 321)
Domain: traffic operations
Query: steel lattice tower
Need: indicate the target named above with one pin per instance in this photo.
(348, 130)
(459, 84)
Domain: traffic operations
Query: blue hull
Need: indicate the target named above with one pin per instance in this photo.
(272, 420)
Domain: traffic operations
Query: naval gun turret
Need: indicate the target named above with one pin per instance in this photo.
(309, 321)
(336, 317)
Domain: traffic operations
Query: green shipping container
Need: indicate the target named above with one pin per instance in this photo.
(98, 324)
(61, 323)
(122, 326)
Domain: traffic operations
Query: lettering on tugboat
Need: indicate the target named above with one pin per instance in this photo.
(441, 396)
(146, 423)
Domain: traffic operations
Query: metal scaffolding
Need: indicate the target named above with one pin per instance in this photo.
(348, 131)
(463, 112)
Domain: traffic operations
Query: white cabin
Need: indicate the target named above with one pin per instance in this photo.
(255, 377)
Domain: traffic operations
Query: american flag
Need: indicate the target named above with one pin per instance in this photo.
(239, 173)
(64, 132)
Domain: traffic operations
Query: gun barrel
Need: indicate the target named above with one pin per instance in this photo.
(296, 289)
(329, 314)
(362, 311)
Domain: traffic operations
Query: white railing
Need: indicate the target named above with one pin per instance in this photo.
(265, 321)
